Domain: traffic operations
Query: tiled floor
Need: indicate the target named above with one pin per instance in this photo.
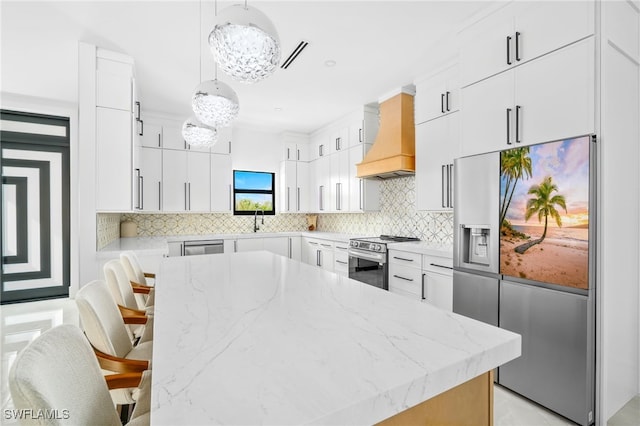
(22, 323)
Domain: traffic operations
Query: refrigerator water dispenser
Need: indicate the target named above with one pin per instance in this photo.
(476, 244)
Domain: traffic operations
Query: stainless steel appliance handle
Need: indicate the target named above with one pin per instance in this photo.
(402, 278)
(373, 257)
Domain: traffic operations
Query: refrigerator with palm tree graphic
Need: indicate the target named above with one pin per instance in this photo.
(524, 255)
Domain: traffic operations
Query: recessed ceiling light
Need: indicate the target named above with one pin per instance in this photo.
(330, 63)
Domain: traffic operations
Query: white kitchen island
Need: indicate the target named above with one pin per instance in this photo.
(256, 338)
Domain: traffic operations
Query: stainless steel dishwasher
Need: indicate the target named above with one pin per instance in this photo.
(191, 248)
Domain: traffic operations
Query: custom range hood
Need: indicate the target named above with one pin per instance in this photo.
(393, 152)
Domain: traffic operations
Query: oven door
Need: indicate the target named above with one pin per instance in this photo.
(369, 268)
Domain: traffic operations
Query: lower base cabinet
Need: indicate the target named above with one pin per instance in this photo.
(284, 246)
(423, 277)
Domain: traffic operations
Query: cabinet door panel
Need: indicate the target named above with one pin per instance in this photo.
(431, 161)
(151, 172)
(545, 26)
(113, 84)
(430, 98)
(151, 135)
(199, 189)
(174, 181)
(483, 47)
(250, 244)
(223, 145)
(288, 186)
(302, 186)
(114, 168)
(484, 119)
(556, 94)
(221, 181)
(278, 245)
(438, 290)
(172, 137)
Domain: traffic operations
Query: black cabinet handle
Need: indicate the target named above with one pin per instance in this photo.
(518, 124)
(508, 50)
(403, 258)
(442, 103)
(141, 133)
(137, 111)
(447, 101)
(508, 126)
(159, 196)
(360, 135)
(517, 46)
(141, 192)
(422, 289)
(451, 185)
(403, 278)
(159, 142)
(448, 186)
(442, 185)
(440, 266)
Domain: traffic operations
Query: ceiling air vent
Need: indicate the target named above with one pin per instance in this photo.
(299, 48)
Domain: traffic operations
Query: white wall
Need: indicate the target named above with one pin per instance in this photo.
(255, 149)
(619, 213)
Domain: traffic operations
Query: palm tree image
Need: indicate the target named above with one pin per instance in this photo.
(543, 203)
(515, 164)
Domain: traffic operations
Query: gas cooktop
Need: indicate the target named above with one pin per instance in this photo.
(377, 244)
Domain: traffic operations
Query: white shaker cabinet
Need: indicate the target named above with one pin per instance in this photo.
(224, 142)
(186, 181)
(151, 178)
(520, 32)
(294, 187)
(437, 281)
(339, 181)
(114, 85)
(221, 183)
(151, 135)
(437, 144)
(198, 181)
(437, 95)
(364, 194)
(172, 136)
(546, 99)
(114, 162)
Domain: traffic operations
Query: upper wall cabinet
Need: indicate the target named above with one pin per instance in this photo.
(520, 32)
(437, 94)
(116, 186)
(550, 98)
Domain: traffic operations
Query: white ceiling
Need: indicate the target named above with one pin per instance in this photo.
(378, 47)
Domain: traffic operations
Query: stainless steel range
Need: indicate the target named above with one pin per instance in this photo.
(368, 259)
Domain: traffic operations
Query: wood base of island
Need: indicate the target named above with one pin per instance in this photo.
(470, 403)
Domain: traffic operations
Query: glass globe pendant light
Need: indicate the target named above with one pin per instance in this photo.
(245, 44)
(215, 103)
(197, 134)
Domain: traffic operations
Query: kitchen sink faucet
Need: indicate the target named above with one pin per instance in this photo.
(255, 220)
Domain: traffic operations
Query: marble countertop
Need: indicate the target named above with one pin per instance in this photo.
(424, 247)
(256, 338)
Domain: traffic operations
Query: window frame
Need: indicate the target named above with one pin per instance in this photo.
(272, 192)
